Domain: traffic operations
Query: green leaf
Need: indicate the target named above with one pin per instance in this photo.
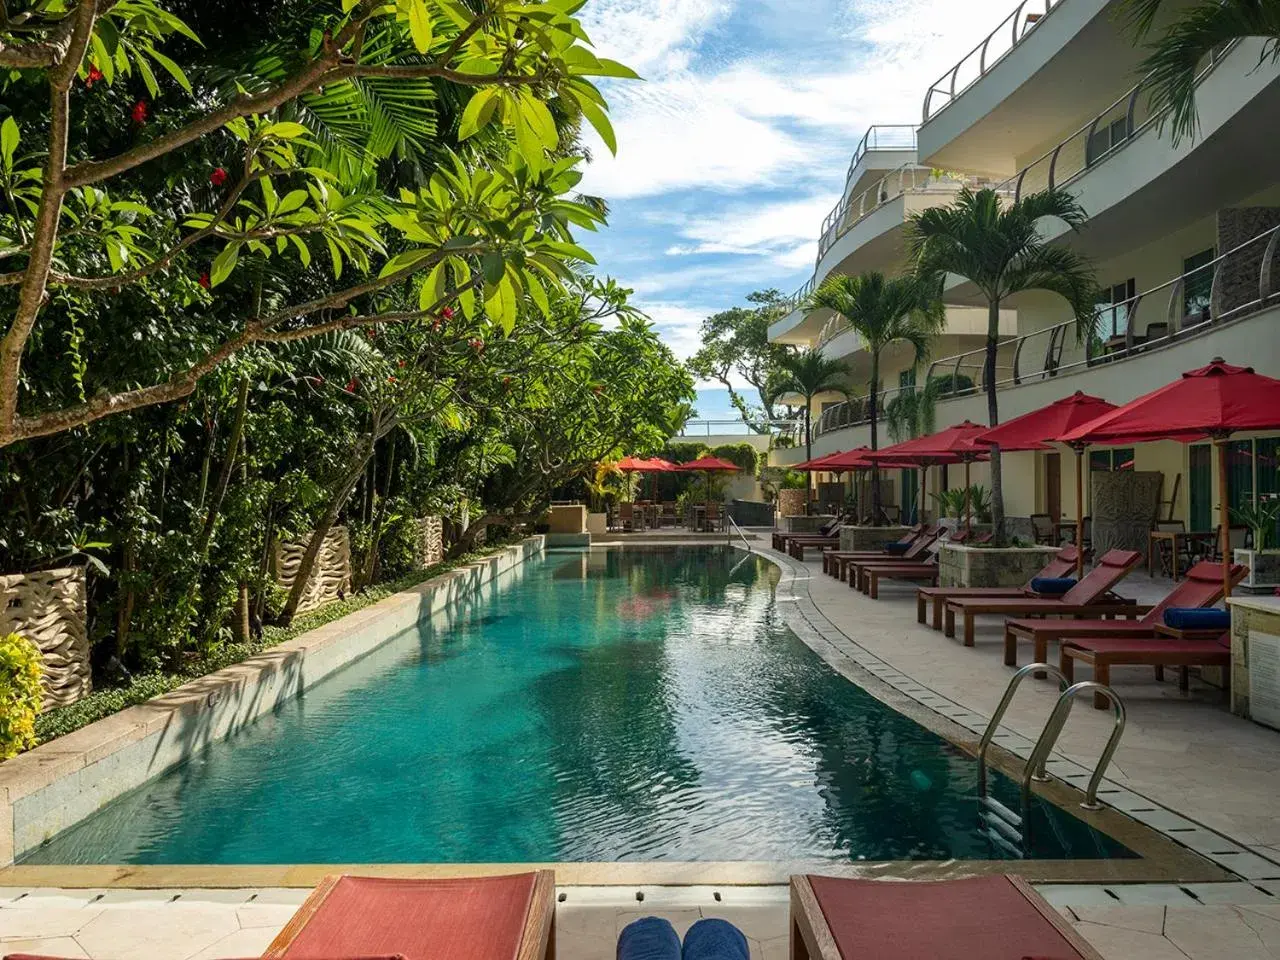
(335, 255)
(420, 25)
(117, 253)
(172, 69)
(492, 266)
(304, 252)
(148, 78)
(599, 120)
(536, 293)
(292, 201)
(477, 66)
(540, 121)
(406, 259)
(9, 140)
(285, 130)
(224, 263)
(500, 305)
(479, 111)
(431, 287)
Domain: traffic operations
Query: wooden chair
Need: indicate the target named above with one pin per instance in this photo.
(1044, 528)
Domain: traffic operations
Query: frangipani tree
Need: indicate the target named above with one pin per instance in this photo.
(478, 234)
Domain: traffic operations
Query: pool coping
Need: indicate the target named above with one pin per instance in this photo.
(59, 783)
(1230, 859)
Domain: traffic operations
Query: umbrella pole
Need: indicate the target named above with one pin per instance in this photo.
(1079, 510)
(1224, 521)
(968, 519)
(924, 487)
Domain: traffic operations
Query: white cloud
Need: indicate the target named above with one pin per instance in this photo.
(650, 36)
(678, 325)
(781, 231)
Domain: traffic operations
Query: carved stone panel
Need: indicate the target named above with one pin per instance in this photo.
(48, 608)
(430, 541)
(1125, 503)
(330, 577)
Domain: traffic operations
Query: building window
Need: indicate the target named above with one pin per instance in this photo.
(907, 381)
(1106, 138)
(1197, 286)
(1113, 308)
(1114, 458)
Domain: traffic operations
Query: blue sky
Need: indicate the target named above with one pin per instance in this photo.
(736, 145)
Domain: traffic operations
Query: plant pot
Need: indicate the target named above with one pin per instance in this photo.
(1264, 570)
(597, 524)
(964, 566)
(869, 538)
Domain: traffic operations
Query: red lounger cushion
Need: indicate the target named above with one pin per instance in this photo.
(980, 918)
(469, 918)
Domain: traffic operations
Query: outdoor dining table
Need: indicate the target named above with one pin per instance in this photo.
(1175, 539)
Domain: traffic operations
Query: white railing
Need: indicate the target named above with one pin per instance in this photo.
(1189, 304)
(882, 136)
(979, 61)
(1098, 140)
(740, 427)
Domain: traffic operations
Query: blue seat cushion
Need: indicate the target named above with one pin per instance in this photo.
(1197, 618)
(715, 939)
(897, 547)
(1053, 586)
(649, 938)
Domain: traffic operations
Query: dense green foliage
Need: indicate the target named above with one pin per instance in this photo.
(736, 342)
(319, 268)
(20, 694)
(808, 373)
(744, 455)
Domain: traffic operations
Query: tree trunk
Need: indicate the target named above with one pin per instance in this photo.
(873, 413)
(379, 516)
(240, 616)
(993, 419)
(326, 522)
(224, 476)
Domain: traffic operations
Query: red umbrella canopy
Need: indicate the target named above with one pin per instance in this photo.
(836, 462)
(1031, 430)
(658, 465)
(708, 463)
(1214, 400)
(633, 465)
(953, 445)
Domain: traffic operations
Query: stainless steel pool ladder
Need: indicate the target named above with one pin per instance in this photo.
(737, 529)
(1004, 827)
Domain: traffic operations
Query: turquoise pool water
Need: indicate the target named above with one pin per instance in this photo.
(612, 705)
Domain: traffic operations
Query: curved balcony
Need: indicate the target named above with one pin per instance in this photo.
(881, 137)
(979, 61)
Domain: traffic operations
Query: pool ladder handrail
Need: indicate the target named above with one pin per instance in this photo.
(1005, 826)
(735, 528)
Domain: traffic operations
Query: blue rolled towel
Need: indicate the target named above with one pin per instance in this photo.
(1197, 618)
(897, 547)
(1053, 586)
(715, 939)
(649, 938)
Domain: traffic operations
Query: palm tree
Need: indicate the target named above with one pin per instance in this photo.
(997, 247)
(1195, 32)
(902, 310)
(809, 373)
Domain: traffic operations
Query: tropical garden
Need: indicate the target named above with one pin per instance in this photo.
(268, 269)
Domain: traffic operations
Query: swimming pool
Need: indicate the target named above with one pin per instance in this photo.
(629, 704)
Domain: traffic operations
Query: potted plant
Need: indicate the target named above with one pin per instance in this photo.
(1262, 559)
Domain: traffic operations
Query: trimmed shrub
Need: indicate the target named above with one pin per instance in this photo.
(20, 694)
(742, 455)
(684, 451)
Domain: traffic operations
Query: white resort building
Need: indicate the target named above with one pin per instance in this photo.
(1183, 238)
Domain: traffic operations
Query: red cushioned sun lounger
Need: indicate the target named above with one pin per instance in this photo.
(831, 558)
(1085, 599)
(467, 918)
(917, 552)
(978, 918)
(1202, 587)
(935, 597)
(1102, 653)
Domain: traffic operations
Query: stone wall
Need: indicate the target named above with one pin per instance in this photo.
(48, 608)
(430, 541)
(869, 538)
(805, 524)
(1246, 620)
(1238, 283)
(961, 566)
(791, 503)
(330, 577)
(1125, 503)
(568, 518)
(751, 513)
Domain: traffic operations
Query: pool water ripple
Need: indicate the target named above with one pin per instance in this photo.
(608, 705)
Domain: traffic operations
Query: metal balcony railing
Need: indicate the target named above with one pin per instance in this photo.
(979, 61)
(1220, 291)
(1096, 141)
(1195, 302)
(791, 429)
(882, 136)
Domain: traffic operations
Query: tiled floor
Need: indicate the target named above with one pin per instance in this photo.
(208, 924)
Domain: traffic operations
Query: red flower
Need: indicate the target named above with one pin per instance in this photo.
(140, 112)
(94, 76)
(204, 279)
(218, 177)
(436, 326)
(352, 385)
(447, 313)
(506, 383)
(476, 344)
(391, 379)
(400, 364)
(598, 388)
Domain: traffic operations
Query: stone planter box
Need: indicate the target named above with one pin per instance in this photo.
(1264, 570)
(810, 524)
(869, 538)
(751, 513)
(1255, 627)
(597, 524)
(961, 566)
(568, 518)
(792, 503)
(48, 608)
(330, 577)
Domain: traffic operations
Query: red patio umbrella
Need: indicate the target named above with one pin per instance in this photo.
(708, 465)
(955, 444)
(837, 463)
(1031, 431)
(1213, 401)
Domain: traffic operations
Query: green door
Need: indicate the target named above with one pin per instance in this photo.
(910, 494)
(1200, 487)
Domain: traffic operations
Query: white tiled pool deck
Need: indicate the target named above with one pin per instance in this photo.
(1185, 764)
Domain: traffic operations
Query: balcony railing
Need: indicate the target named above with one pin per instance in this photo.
(791, 429)
(979, 61)
(1218, 292)
(1096, 141)
(882, 136)
(854, 412)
